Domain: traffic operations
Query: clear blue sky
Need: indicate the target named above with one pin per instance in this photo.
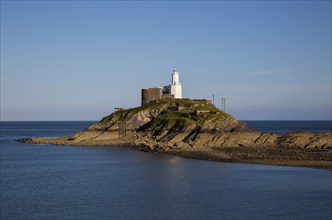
(78, 60)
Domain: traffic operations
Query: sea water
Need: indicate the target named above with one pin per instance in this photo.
(290, 126)
(65, 182)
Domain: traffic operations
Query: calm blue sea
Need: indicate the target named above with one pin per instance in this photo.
(288, 126)
(63, 182)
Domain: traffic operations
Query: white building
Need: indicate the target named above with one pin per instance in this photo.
(175, 87)
(173, 90)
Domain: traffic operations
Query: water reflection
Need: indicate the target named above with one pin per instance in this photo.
(52, 182)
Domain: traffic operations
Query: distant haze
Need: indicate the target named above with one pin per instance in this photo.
(78, 60)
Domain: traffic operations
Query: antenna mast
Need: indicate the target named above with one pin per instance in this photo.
(223, 104)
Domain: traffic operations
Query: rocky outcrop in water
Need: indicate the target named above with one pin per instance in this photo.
(197, 129)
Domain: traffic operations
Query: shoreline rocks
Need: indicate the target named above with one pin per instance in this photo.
(211, 135)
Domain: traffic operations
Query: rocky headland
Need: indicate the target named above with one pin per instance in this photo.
(197, 129)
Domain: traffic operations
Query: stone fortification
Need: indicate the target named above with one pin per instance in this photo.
(151, 94)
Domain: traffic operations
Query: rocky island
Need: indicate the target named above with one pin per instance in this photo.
(197, 129)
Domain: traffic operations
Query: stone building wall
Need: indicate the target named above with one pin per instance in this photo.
(168, 96)
(151, 94)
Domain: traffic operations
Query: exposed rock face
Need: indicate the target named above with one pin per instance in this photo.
(194, 128)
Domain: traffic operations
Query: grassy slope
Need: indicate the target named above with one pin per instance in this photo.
(168, 118)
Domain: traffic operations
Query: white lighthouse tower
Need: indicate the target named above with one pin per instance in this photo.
(176, 88)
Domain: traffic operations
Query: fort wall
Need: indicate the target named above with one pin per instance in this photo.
(151, 94)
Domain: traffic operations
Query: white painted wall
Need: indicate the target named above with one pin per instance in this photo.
(176, 88)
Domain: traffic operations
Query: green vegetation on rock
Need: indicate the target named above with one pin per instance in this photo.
(170, 114)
